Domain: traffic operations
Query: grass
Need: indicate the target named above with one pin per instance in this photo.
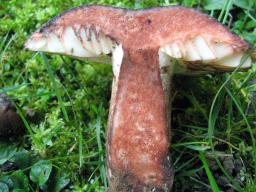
(64, 105)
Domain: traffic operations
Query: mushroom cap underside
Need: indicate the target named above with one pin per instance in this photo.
(181, 33)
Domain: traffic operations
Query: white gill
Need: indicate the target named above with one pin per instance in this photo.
(106, 44)
(221, 50)
(85, 39)
(73, 45)
(95, 43)
(191, 53)
(203, 49)
(176, 52)
(235, 60)
(54, 44)
(37, 44)
(76, 41)
(198, 49)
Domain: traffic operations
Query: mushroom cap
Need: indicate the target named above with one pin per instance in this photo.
(181, 33)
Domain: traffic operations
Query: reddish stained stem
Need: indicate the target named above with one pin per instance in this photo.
(137, 145)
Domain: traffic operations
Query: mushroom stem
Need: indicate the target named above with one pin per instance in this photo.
(137, 136)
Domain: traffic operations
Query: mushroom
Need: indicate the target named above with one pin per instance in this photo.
(144, 45)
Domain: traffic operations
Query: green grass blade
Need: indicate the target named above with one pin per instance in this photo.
(29, 129)
(229, 5)
(55, 87)
(81, 156)
(100, 147)
(12, 88)
(6, 47)
(211, 179)
(248, 126)
(211, 125)
(223, 10)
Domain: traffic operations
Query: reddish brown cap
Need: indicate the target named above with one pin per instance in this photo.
(181, 33)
